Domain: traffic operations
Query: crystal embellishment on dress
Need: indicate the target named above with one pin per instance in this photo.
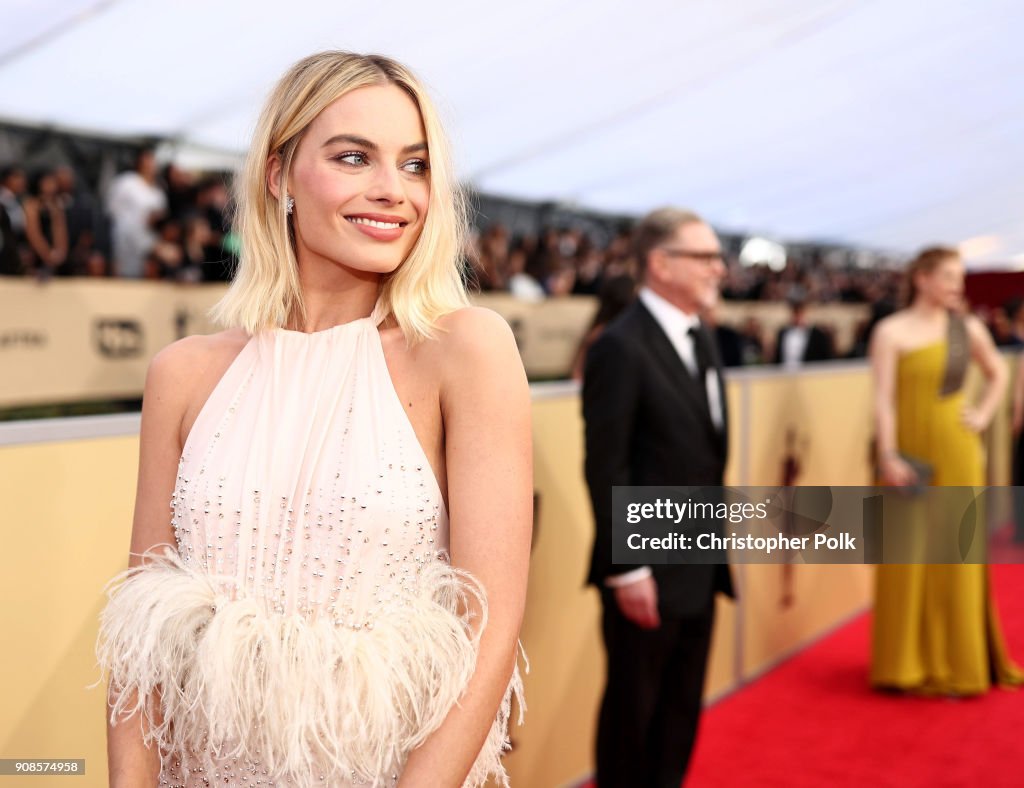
(308, 598)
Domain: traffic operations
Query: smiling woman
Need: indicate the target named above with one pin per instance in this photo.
(326, 604)
(335, 173)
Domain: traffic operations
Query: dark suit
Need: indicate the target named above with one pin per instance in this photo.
(729, 342)
(10, 261)
(818, 347)
(648, 423)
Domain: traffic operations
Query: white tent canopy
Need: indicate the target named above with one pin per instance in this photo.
(886, 124)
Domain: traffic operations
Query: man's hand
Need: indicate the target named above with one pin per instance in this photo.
(638, 602)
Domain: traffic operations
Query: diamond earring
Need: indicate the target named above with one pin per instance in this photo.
(289, 205)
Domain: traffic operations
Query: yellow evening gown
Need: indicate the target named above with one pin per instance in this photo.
(936, 628)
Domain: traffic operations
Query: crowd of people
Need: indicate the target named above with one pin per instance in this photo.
(558, 262)
(151, 223)
(168, 223)
(567, 261)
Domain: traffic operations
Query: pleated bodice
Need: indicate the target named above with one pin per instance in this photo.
(302, 482)
(309, 621)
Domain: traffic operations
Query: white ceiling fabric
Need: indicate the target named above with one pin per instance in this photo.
(887, 124)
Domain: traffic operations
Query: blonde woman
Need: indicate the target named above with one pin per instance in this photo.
(337, 594)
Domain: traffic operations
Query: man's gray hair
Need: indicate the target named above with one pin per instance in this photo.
(656, 228)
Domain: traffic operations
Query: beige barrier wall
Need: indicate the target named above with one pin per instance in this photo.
(66, 519)
(67, 511)
(85, 339)
(816, 429)
(843, 319)
(74, 340)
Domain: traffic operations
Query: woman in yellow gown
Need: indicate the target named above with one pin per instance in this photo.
(936, 629)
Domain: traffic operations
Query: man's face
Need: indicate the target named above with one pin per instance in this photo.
(687, 270)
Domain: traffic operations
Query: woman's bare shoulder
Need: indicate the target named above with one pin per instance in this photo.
(193, 354)
(473, 330)
(183, 375)
(477, 352)
(895, 330)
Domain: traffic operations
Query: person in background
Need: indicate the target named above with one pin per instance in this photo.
(561, 279)
(879, 311)
(589, 270)
(520, 283)
(1001, 324)
(935, 628)
(10, 260)
(135, 203)
(1000, 328)
(728, 340)
(798, 342)
(616, 294)
(13, 188)
(179, 185)
(16, 256)
(165, 256)
(46, 226)
(214, 202)
(752, 342)
(1017, 422)
(655, 413)
(1015, 310)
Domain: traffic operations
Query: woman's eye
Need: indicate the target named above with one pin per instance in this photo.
(416, 166)
(357, 159)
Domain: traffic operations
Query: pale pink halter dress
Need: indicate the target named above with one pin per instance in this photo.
(309, 622)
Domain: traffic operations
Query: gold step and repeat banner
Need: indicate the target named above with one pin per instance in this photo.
(75, 340)
(85, 339)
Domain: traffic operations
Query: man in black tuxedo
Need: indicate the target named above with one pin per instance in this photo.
(654, 406)
(799, 342)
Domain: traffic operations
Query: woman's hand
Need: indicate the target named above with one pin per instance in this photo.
(897, 472)
(975, 419)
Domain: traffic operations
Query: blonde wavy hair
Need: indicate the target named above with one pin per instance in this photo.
(265, 292)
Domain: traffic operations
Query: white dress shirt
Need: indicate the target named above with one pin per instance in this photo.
(794, 343)
(676, 324)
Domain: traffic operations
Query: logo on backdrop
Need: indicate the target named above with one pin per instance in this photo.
(118, 338)
(22, 338)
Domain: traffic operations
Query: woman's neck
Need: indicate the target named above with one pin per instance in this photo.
(326, 308)
(928, 310)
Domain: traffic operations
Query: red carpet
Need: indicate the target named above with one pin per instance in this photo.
(813, 722)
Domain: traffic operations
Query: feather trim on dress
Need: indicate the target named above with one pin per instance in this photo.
(297, 693)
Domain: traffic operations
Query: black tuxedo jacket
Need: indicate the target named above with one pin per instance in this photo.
(648, 423)
(818, 347)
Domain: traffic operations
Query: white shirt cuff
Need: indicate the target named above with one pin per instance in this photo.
(632, 576)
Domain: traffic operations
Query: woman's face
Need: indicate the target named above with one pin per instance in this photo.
(47, 185)
(944, 284)
(361, 182)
